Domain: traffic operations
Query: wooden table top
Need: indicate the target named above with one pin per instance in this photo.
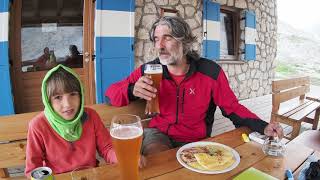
(164, 166)
(309, 138)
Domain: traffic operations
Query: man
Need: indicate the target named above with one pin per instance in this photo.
(191, 89)
(43, 59)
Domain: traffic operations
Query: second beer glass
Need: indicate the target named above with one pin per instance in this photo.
(154, 72)
(126, 132)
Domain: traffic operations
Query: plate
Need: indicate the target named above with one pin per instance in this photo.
(204, 143)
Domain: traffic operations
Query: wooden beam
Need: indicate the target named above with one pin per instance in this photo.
(36, 21)
(81, 7)
(36, 7)
(279, 85)
(59, 7)
(4, 173)
(292, 93)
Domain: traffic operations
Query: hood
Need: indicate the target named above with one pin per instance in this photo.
(69, 130)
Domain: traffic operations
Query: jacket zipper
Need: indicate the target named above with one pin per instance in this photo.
(177, 100)
(178, 89)
(183, 92)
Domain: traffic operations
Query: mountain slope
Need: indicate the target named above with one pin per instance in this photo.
(298, 53)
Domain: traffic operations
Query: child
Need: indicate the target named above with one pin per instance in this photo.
(66, 135)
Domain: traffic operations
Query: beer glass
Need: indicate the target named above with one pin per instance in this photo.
(154, 72)
(126, 132)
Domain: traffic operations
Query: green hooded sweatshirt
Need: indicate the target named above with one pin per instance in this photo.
(69, 130)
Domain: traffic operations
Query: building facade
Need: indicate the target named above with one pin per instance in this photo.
(240, 35)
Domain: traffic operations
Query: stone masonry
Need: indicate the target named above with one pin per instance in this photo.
(247, 79)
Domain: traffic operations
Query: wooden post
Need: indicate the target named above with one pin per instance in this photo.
(295, 129)
(4, 173)
(316, 119)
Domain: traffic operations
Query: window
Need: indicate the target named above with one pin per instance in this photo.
(168, 12)
(51, 34)
(229, 33)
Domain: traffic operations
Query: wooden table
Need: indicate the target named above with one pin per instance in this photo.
(309, 138)
(164, 166)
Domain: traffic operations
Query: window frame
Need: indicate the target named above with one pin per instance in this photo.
(168, 12)
(235, 13)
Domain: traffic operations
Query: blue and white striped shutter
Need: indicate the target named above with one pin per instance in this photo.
(250, 36)
(114, 32)
(211, 30)
(6, 103)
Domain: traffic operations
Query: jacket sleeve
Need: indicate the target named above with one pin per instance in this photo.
(120, 93)
(35, 149)
(103, 139)
(231, 108)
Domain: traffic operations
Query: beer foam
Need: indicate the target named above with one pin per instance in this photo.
(153, 69)
(126, 132)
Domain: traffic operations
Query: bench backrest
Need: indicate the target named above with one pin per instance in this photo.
(14, 128)
(287, 89)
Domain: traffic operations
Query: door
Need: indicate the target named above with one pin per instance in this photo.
(6, 104)
(46, 33)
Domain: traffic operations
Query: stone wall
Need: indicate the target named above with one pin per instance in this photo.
(247, 79)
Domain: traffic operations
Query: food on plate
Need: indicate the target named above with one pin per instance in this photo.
(196, 165)
(209, 157)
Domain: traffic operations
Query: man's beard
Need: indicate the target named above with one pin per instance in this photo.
(173, 58)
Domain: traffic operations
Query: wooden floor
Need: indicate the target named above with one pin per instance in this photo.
(261, 106)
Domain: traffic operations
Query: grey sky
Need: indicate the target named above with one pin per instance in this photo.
(304, 14)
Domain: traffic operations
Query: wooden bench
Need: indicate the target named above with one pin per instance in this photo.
(14, 128)
(295, 108)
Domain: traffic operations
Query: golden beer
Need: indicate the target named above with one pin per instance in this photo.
(126, 140)
(154, 72)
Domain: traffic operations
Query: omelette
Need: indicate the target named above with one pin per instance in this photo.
(208, 158)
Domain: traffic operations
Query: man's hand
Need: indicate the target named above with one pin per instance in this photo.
(142, 161)
(143, 88)
(274, 129)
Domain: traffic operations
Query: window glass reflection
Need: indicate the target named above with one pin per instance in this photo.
(226, 34)
(42, 50)
(51, 34)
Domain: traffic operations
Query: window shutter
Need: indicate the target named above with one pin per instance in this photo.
(114, 33)
(250, 36)
(6, 103)
(211, 30)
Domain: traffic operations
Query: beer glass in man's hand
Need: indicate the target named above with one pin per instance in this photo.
(154, 72)
(126, 132)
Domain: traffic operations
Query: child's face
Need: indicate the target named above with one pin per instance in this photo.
(66, 105)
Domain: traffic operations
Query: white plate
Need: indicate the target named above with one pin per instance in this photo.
(204, 143)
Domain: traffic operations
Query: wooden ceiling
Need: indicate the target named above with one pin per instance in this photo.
(51, 11)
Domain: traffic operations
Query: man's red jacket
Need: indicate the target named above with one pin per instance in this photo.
(187, 110)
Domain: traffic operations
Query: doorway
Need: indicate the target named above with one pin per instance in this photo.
(45, 33)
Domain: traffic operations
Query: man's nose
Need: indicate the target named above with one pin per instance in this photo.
(160, 44)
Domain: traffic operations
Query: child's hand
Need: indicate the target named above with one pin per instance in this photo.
(142, 161)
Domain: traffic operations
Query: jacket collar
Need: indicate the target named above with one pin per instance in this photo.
(166, 74)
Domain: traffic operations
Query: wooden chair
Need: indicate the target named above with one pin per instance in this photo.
(14, 129)
(295, 108)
